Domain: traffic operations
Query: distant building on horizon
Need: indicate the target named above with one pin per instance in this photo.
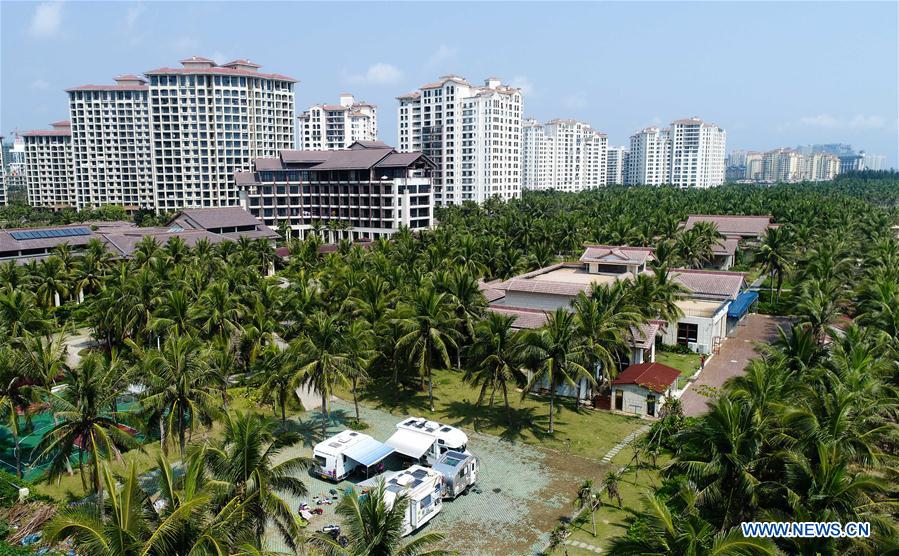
(337, 126)
(786, 165)
(48, 166)
(616, 165)
(565, 155)
(471, 133)
(649, 160)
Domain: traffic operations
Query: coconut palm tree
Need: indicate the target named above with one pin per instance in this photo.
(51, 282)
(430, 334)
(586, 498)
(244, 460)
(15, 397)
(774, 255)
(321, 360)
(374, 527)
(84, 422)
(180, 388)
(360, 354)
(494, 360)
(275, 375)
(557, 355)
(21, 313)
(610, 486)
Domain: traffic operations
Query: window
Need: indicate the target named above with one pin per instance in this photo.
(687, 333)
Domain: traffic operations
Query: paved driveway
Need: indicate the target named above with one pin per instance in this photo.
(736, 351)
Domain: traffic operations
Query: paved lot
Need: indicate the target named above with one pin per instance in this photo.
(736, 351)
(522, 490)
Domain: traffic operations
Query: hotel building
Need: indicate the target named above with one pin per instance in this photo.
(367, 191)
(564, 155)
(616, 165)
(650, 157)
(328, 127)
(697, 154)
(111, 155)
(48, 166)
(209, 121)
(471, 133)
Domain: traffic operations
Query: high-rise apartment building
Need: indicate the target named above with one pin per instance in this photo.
(3, 151)
(14, 171)
(337, 126)
(649, 160)
(616, 165)
(471, 133)
(367, 191)
(111, 154)
(48, 166)
(821, 167)
(565, 155)
(209, 121)
(697, 154)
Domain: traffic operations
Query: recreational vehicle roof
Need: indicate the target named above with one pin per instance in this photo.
(450, 436)
(413, 481)
(354, 445)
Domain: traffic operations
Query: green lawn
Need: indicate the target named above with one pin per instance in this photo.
(610, 520)
(687, 364)
(581, 431)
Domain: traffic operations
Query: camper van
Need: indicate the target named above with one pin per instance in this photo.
(459, 470)
(425, 441)
(349, 451)
(423, 487)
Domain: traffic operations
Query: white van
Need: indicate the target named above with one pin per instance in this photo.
(340, 455)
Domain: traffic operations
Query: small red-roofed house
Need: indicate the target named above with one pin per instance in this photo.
(643, 388)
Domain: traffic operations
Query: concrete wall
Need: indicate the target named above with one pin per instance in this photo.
(707, 329)
(635, 399)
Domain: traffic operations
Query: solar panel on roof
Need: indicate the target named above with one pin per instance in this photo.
(46, 234)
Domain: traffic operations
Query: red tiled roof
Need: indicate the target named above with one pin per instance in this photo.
(726, 246)
(732, 224)
(109, 88)
(492, 295)
(616, 253)
(524, 318)
(709, 283)
(645, 336)
(219, 70)
(242, 62)
(653, 376)
(47, 132)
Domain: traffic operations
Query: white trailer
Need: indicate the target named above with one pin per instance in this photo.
(340, 455)
(422, 487)
(425, 441)
(459, 470)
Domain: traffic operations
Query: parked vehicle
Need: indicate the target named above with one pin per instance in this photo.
(422, 486)
(426, 441)
(459, 470)
(340, 455)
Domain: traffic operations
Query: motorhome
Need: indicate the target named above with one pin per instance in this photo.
(349, 451)
(459, 470)
(422, 487)
(425, 441)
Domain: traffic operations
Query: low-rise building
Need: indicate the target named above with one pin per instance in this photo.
(642, 389)
(734, 226)
(367, 191)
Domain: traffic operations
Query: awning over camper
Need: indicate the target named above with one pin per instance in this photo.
(368, 452)
(410, 443)
(741, 304)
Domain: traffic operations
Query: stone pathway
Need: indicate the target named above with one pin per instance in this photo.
(584, 546)
(621, 445)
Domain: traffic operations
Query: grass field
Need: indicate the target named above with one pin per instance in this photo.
(579, 431)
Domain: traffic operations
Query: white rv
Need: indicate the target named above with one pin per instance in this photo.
(425, 441)
(340, 455)
(423, 488)
(459, 470)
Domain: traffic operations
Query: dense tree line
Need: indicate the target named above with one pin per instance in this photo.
(184, 323)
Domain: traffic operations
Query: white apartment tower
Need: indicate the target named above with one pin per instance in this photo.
(616, 165)
(697, 154)
(649, 160)
(48, 166)
(329, 127)
(209, 121)
(565, 155)
(111, 155)
(471, 133)
(3, 194)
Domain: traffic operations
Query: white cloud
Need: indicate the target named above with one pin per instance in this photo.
(574, 101)
(133, 14)
(220, 58)
(46, 21)
(377, 74)
(443, 54)
(182, 44)
(39, 84)
(523, 83)
(829, 121)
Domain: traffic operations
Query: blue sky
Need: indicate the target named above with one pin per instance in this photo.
(772, 74)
